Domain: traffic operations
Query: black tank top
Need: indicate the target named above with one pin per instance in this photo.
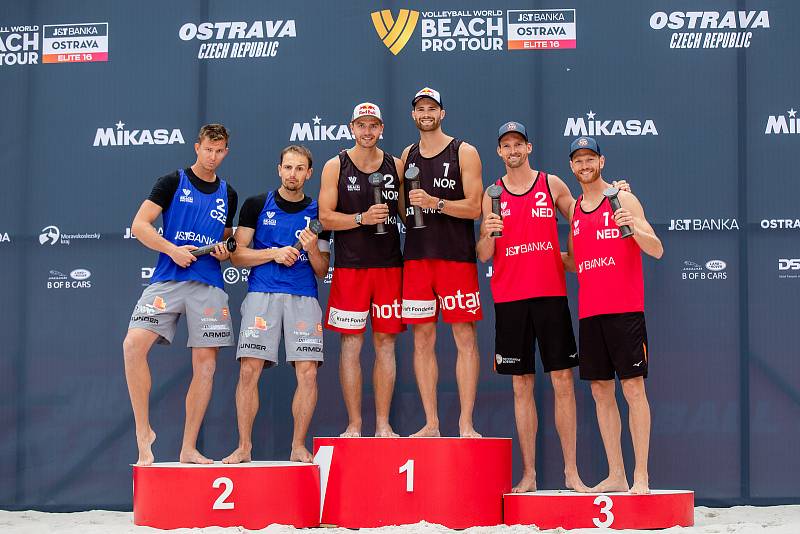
(360, 247)
(444, 237)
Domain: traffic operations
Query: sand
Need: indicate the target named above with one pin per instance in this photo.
(736, 520)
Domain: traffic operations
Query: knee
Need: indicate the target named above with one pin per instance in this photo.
(384, 343)
(133, 347)
(249, 372)
(603, 391)
(424, 338)
(465, 336)
(352, 341)
(523, 386)
(563, 386)
(633, 390)
(204, 370)
(306, 373)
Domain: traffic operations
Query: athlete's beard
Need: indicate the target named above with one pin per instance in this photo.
(593, 177)
(291, 187)
(514, 164)
(430, 127)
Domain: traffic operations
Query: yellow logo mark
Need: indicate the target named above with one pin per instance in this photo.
(395, 33)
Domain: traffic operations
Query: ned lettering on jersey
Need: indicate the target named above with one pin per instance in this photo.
(530, 295)
(197, 207)
(281, 298)
(439, 270)
(613, 335)
(367, 275)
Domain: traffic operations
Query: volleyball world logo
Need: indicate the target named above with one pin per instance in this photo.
(395, 33)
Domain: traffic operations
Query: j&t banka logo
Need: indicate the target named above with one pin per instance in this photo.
(395, 33)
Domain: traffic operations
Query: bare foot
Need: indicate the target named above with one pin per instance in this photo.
(611, 484)
(640, 486)
(385, 432)
(239, 456)
(145, 449)
(352, 431)
(528, 483)
(301, 454)
(193, 456)
(573, 481)
(470, 433)
(426, 432)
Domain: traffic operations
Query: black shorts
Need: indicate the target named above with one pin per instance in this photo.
(520, 323)
(615, 342)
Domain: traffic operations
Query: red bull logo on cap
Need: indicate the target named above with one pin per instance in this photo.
(367, 109)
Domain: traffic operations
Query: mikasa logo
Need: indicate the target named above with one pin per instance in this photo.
(783, 124)
(122, 137)
(316, 131)
(578, 126)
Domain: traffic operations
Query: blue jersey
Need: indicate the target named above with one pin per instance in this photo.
(193, 218)
(276, 228)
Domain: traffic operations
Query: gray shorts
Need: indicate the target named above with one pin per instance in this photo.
(262, 317)
(206, 308)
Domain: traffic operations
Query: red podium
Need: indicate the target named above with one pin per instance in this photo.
(568, 509)
(252, 495)
(372, 482)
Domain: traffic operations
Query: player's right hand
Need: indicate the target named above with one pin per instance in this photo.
(375, 214)
(287, 256)
(491, 223)
(182, 255)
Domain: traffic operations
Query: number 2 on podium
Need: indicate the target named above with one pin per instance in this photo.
(220, 503)
(408, 468)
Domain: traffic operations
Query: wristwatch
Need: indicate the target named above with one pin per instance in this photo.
(440, 205)
(358, 218)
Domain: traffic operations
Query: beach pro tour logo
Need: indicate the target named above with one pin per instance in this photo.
(537, 29)
(395, 33)
(75, 43)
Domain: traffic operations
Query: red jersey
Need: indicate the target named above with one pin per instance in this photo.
(527, 258)
(609, 268)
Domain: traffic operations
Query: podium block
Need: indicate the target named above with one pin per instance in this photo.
(372, 482)
(252, 495)
(569, 510)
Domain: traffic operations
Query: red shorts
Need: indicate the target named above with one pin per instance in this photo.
(433, 285)
(355, 293)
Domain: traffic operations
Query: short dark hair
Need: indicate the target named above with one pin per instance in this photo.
(213, 132)
(297, 149)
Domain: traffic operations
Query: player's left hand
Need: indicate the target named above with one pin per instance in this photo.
(623, 218)
(622, 185)
(308, 239)
(419, 198)
(220, 252)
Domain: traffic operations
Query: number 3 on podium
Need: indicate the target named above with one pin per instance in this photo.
(605, 509)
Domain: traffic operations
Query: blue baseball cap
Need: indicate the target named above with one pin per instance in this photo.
(584, 142)
(512, 127)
